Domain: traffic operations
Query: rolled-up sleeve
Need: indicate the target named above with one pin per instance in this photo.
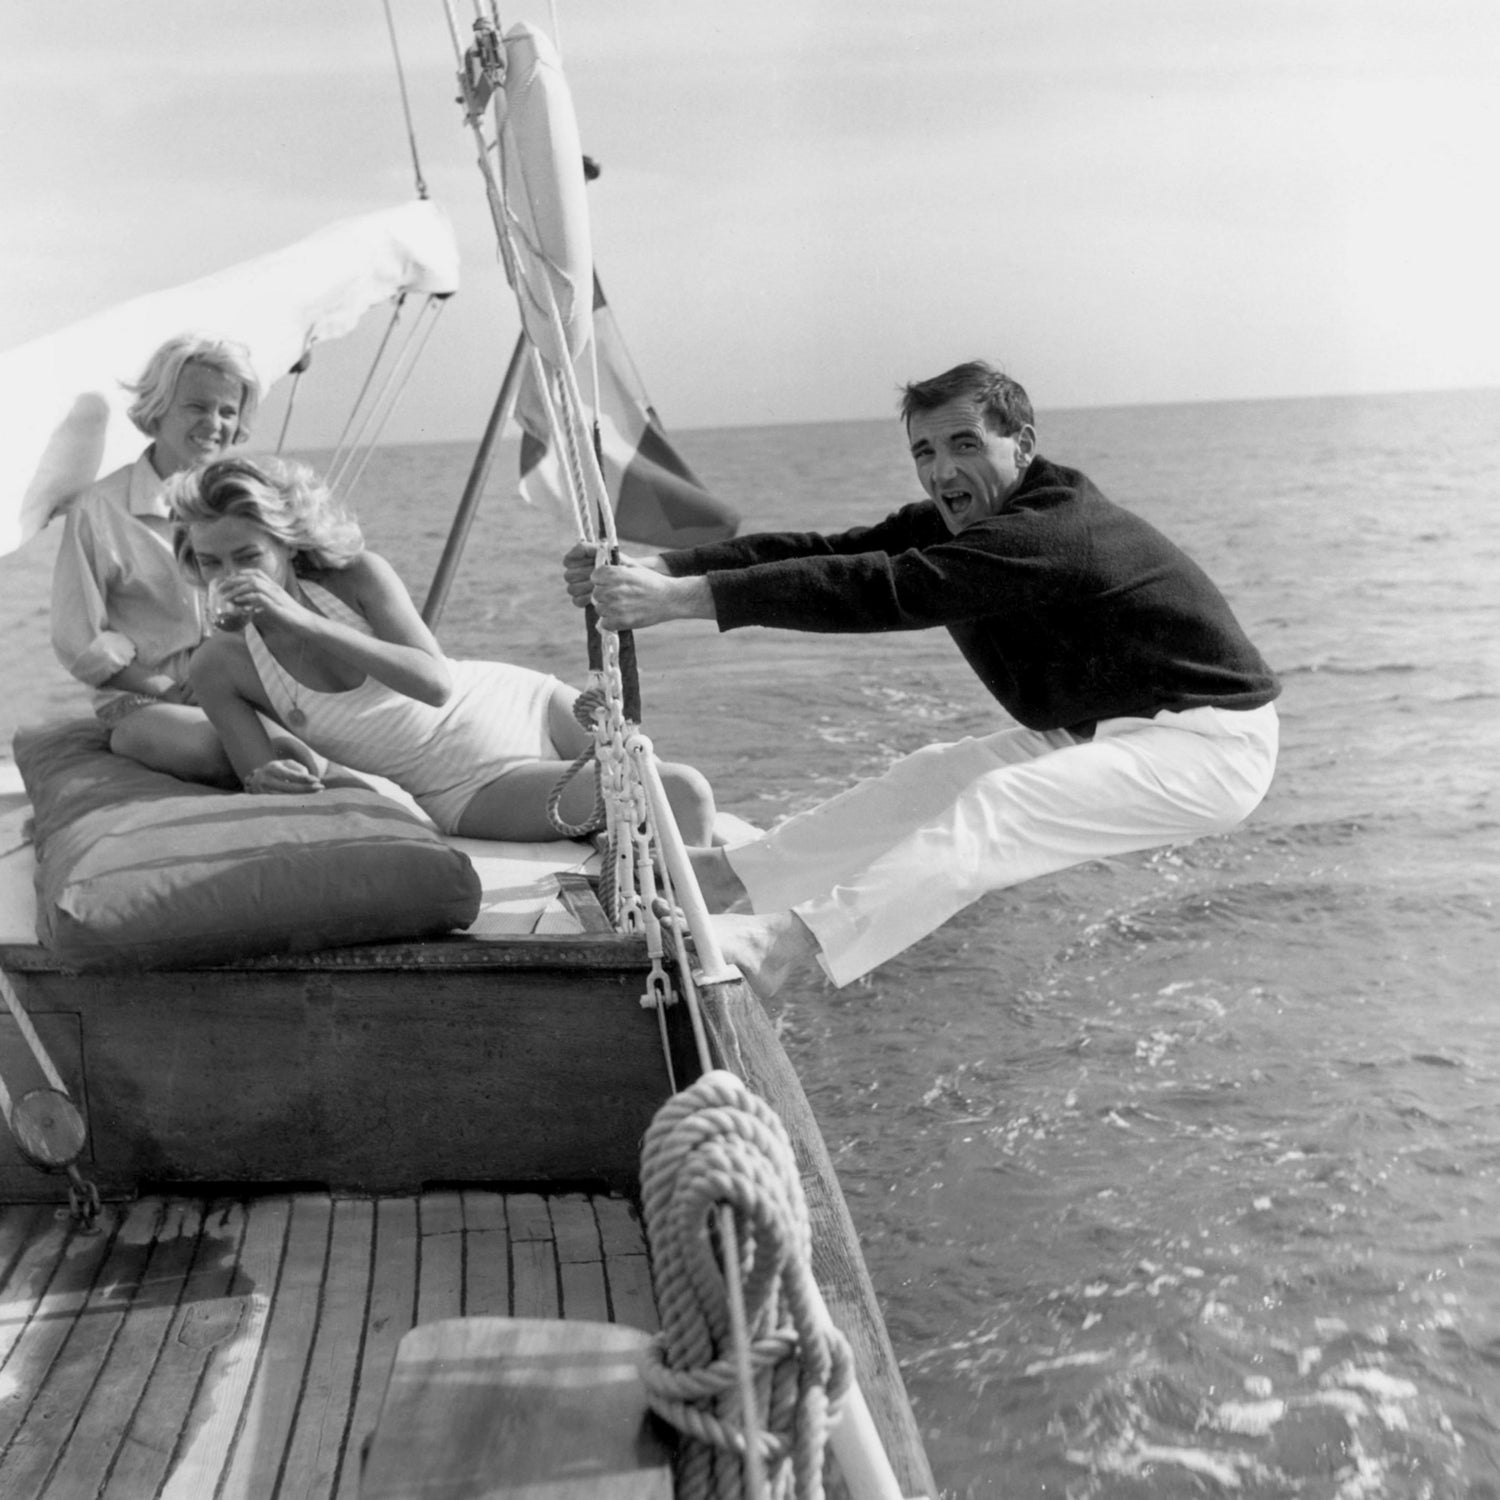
(81, 634)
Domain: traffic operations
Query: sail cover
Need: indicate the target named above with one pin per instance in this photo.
(62, 404)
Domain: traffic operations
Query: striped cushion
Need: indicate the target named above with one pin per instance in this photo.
(139, 870)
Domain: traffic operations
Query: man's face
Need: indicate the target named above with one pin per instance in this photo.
(968, 469)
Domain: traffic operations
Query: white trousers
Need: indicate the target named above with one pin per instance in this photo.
(890, 860)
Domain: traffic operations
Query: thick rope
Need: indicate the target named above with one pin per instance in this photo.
(712, 1146)
(588, 703)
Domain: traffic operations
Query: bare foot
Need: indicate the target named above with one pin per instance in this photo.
(721, 887)
(768, 950)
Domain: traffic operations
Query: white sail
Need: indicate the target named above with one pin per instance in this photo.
(62, 406)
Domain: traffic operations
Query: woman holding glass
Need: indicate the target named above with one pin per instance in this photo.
(331, 648)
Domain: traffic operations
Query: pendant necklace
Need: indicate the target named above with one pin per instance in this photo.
(295, 717)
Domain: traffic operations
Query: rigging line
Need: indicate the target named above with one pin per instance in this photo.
(458, 46)
(364, 390)
(394, 388)
(291, 401)
(411, 130)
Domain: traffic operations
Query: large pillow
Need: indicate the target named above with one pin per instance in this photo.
(139, 870)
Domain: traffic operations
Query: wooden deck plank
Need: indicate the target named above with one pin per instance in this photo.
(627, 1267)
(47, 1321)
(30, 1273)
(487, 1255)
(95, 1445)
(575, 1228)
(534, 1278)
(317, 1449)
(440, 1286)
(19, 1225)
(275, 1395)
(584, 1294)
(442, 1213)
(620, 1229)
(580, 1258)
(57, 1405)
(200, 1319)
(214, 1424)
(484, 1210)
(533, 1259)
(393, 1301)
(528, 1217)
(631, 1293)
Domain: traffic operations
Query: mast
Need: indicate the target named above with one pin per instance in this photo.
(468, 505)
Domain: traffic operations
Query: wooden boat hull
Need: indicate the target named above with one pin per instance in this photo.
(401, 1086)
(370, 1070)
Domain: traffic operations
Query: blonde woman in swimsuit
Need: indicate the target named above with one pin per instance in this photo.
(321, 636)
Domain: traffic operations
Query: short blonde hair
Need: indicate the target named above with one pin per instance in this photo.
(286, 500)
(153, 391)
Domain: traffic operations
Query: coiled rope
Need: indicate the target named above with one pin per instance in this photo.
(586, 706)
(717, 1145)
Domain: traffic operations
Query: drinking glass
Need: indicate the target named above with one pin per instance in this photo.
(223, 614)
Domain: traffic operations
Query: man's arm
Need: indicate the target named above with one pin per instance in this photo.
(635, 592)
(637, 602)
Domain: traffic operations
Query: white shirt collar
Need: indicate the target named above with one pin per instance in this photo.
(147, 493)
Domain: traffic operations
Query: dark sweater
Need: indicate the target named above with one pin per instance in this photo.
(1068, 607)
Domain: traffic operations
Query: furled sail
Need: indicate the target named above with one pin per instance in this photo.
(542, 218)
(62, 404)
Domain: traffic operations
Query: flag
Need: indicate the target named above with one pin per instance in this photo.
(657, 498)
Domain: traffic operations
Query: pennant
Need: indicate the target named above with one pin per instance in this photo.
(657, 499)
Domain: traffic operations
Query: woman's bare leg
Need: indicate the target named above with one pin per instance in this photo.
(176, 738)
(514, 807)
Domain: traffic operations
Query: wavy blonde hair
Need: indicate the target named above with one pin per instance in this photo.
(286, 500)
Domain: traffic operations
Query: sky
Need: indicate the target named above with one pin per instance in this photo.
(804, 205)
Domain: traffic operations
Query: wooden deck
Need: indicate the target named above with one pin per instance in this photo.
(238, 1348)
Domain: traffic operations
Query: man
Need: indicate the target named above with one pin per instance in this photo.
(1144, 713)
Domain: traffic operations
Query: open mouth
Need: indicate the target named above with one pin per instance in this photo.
(957, 502)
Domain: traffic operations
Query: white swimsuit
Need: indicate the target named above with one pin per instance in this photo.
(495, 719)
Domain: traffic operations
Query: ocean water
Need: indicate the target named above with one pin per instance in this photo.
(1177, 1174)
